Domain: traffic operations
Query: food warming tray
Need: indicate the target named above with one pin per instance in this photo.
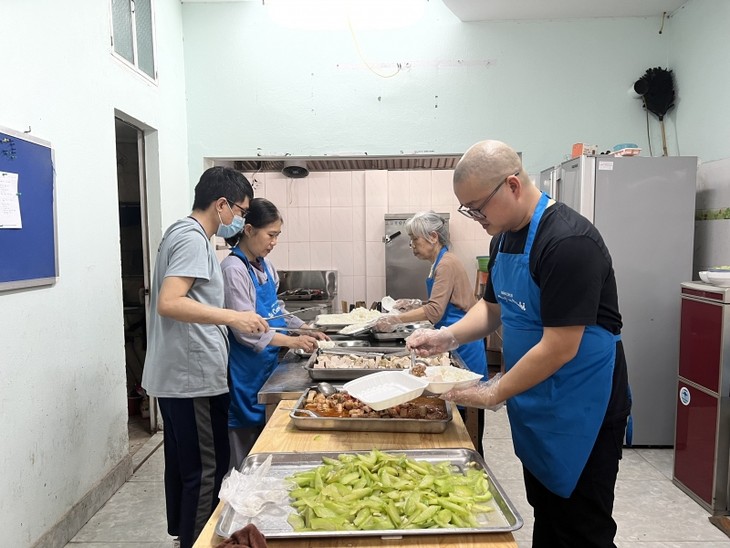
(273, 523)
(348, 374)
(426, 426)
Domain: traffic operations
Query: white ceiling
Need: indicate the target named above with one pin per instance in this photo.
(508, 10)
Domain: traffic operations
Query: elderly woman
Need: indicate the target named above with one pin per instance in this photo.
(450, 294)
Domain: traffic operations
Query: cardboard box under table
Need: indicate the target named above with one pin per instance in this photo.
(281, 436)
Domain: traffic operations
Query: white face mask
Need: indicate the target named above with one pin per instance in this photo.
(227, 231)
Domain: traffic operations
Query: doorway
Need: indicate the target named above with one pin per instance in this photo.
(131, 192)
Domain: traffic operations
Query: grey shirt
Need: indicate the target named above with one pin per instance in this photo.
(240, 294)
(186, 360)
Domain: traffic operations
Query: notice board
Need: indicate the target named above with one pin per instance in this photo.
(28, 244)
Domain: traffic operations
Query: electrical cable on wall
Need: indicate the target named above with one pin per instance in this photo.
(254, 181)
(362, 57)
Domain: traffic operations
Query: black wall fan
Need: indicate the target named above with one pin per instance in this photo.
(656, 88)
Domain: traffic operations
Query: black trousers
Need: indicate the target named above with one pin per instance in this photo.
(196, 459)
(584, 520)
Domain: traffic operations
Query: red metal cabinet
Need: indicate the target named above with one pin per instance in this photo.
(702, 433)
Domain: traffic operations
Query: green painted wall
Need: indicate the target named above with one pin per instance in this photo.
(699, 54)
(254, 86)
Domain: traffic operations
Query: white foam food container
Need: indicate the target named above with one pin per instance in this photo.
(442, 378)
(385, 389)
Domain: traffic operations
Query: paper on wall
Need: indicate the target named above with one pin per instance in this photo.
(9, 201)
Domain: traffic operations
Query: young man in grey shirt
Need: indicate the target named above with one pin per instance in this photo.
(187, 353)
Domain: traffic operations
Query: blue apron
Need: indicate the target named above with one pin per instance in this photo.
(472, 353)
(249, 370)
(555, 423)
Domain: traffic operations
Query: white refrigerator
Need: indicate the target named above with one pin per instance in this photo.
(644, 209)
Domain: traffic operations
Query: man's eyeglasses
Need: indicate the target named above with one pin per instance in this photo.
(232, 205)
(476, 212)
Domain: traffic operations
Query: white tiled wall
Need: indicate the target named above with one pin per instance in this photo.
(335, 220)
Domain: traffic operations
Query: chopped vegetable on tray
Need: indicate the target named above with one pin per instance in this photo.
(378, 490)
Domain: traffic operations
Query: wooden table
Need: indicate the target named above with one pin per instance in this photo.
(281, 436)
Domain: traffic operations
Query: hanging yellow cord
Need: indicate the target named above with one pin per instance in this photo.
(362, 57)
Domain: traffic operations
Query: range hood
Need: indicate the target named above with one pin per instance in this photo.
(351, 163)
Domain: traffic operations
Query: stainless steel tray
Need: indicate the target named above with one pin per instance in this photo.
(355, 345)
(273, 524)
(348, 374)
(393, 336)
(425, 426)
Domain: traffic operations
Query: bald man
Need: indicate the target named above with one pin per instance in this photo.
(552, 289)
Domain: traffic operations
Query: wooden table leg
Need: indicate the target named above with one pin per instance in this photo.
(472, 424)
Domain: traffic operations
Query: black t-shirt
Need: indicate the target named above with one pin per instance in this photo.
(572, 267)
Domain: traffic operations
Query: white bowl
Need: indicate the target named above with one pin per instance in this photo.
(442, 378)
(719, 278)
(386, 303)
(703, 276)
(385, 389)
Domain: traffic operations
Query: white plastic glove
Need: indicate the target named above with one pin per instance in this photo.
(406, 305)
(483, 395)
(387, 323)
(427, 342)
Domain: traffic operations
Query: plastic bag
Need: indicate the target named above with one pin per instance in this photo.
(387, 323)
(482, 395)
(250, 494)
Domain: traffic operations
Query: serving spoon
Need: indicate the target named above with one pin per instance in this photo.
(326, 389)
(305, 411)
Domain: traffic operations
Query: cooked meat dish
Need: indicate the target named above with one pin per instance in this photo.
(343, 405)
(355, 361)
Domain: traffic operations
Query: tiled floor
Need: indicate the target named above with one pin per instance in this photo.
(650, 511)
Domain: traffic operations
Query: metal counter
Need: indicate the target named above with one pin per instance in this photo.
(287, 382)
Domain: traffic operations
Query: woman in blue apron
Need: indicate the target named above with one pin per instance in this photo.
(251, 283)
(553, 290)
(450, 294)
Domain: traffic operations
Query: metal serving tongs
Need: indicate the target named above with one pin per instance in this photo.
(293, 313)
(301, 330)
(416, 360)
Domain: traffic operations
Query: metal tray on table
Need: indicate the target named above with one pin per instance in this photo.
(355, 344)
(272, 522)
(391, 424)
(351, 373)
